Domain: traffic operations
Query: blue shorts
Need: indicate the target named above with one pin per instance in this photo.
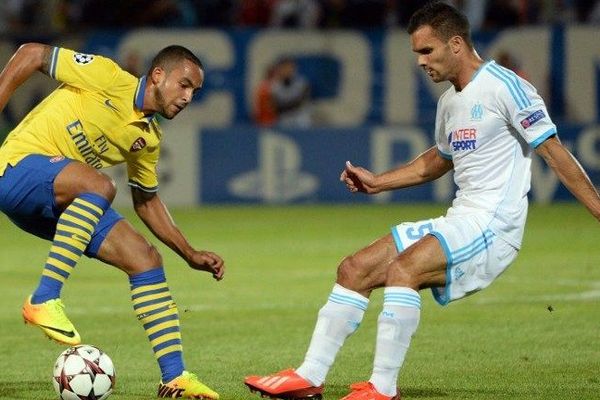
(27, 198)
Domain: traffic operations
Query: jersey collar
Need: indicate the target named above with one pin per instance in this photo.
(138, 98)
(481, 68)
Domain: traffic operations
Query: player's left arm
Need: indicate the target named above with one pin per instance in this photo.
(570, 173)
(426, 167)
(154, 213)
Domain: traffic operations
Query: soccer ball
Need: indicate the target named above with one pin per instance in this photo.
(83, 372)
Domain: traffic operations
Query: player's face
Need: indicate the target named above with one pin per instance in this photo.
(433, 55)
(174, 89)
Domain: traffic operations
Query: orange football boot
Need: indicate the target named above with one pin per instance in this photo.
(366, 391)
(285, 385)
(50, 317)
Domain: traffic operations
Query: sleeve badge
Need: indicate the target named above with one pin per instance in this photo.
(139, 144)
(83, 59)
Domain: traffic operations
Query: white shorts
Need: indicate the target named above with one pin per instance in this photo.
(475, 255)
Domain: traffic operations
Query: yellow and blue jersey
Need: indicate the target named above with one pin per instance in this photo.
(94, 116)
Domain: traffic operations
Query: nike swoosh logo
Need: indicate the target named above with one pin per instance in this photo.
(110, 105)
(66, 333)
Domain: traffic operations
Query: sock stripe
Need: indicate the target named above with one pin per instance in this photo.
(68, 231)
(162, 325)
(351, 301)
(145, 288)
(404, 303)
(154, 319)
(74, 213)
(67, 254)
(147, 317)
(407, 296)
(53, 275)
(76, 221)
(86, 213)
(163, 333)
(159, 318)
(61, 262)
(402, 299)
(70, 227)
(76, 243)
(89, 208)
(149, 292)
(95, 200)
(160, 341)
(146, 296)
(58, 267)
(174, 341)
(346, 304)
(75, 227)
(161, 298)
(63, 271)
(168, 350)
(154, 308)
(79, 219)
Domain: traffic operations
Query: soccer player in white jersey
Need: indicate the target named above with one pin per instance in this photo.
(487, 123)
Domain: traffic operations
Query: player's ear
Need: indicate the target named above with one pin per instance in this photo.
(456, 43)
(157, 75)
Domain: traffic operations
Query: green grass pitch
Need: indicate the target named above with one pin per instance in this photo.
(534, 334)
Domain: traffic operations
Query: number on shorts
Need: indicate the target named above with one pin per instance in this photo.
(416, 233)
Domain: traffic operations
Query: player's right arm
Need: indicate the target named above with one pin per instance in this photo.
(29, 58)
(427, 167)
(570, 173)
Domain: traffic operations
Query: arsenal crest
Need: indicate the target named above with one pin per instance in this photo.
(139, 144)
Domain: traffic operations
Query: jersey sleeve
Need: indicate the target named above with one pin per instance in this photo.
(525, 110)
(441, 137)
(141, 151)
(141, 167)
(84, 71)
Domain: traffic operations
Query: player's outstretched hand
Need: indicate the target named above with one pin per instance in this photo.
(358, 179)
(209, 262)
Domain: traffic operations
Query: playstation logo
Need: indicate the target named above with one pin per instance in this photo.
(279, 178)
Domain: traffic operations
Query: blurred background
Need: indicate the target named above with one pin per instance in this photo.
(294, 88)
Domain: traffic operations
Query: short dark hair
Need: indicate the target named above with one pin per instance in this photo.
(172, 54)
(444, 19)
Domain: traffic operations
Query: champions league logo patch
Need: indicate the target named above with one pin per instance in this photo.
(83, 59)
(532, 119)
(139, 144)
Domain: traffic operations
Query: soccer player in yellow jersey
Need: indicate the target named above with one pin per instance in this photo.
(52, 187)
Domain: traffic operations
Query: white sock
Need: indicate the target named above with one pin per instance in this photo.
(397, 323)
(337, 320)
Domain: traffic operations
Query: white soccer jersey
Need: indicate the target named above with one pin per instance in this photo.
(488, 130)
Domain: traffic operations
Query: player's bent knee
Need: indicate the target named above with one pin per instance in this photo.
(147, 257)
(152, 257)
(349, 273)
(106, 187)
